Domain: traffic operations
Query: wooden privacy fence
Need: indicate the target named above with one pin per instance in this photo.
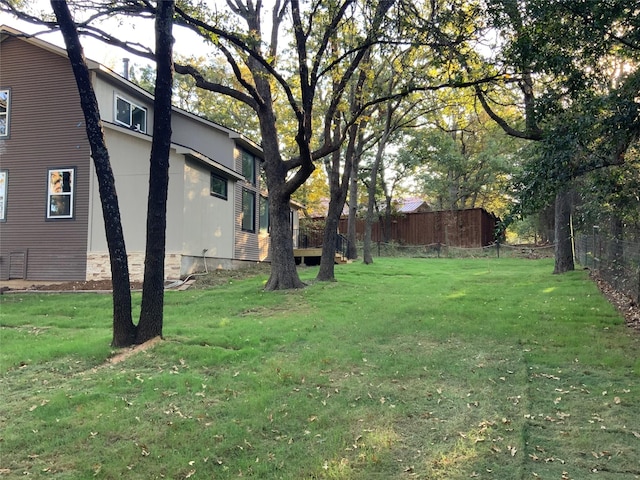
(470, 228)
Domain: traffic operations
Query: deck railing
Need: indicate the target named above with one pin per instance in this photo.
(314, 239)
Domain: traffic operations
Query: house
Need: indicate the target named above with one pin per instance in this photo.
(51, 224)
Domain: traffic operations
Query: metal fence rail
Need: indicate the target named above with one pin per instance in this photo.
(616, 261)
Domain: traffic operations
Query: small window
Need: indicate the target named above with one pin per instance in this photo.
(218, 186)
(264, 214)
(131, 115)
(61, 185)
(5, 106)
(4, 174)
(248, 210)
(249, 167)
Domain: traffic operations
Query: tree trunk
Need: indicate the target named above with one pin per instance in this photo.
(329, 242)
(564, 247)
(151, 313)
(124, 331)
(326, 272)
(371, 215)
(284, 274)
(352, 247)
(371, 200)
(388, 235)
(338, 188)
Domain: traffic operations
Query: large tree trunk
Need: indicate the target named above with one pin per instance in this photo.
(151, 314)
(284, 274)
(564, 246)
(124, 330)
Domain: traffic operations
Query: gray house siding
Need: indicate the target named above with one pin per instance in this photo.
(47, 134)
(247, 244)
(44, 112)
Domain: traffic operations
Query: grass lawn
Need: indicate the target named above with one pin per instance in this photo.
(407, 368)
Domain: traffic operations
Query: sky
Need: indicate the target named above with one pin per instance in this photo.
(186, 42)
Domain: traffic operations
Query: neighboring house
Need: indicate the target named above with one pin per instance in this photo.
(51, 224)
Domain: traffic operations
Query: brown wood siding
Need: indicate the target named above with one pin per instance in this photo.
(247, 245)
(460, 228)
(47, 131)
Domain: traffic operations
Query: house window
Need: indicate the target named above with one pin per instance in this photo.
(5, 99)
(218, 186)
(131, 115)
(249, 167)
(3, 195)
(61, 185)
(264, 214)
(248, 210)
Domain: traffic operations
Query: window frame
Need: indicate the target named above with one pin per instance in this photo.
(70, 194)
(252, 177)
(6, 114)
(246, 193)
(4, 187)
(223, 195)
(132, 107)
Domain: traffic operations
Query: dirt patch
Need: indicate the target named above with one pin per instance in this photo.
(125, 354)
(211, 279)
(94, 285)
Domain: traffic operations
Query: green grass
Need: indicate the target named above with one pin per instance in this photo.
(407, 368)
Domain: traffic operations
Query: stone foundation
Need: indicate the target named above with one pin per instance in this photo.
(99, 267)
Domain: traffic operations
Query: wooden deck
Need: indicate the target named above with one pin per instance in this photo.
(311, 256)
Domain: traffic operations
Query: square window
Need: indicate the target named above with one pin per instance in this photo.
(5, 107)
(249, 167)
(248, 210)
(218, 186)
(60, 190)
(131, 115)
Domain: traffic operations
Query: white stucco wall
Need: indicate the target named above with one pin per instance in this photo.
(129, 154)
(208, 221)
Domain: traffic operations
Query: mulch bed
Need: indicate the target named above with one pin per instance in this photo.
(76, 286)
(628, 307)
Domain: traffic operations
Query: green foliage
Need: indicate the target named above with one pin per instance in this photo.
(464, 160)
(445, 369)
(587, 137)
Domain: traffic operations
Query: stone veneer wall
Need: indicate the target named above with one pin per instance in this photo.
(98, 266)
